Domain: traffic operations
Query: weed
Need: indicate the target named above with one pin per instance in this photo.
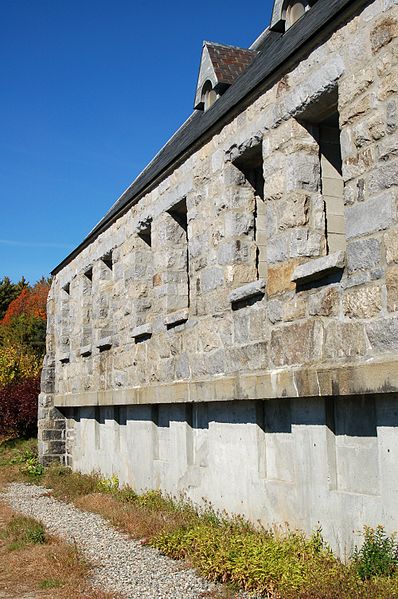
(378, 555)
(108, 485)
(50, 583)
(22, 531)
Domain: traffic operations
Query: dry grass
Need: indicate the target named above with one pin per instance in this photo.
(50, 570)
(34, 568)
(139, 522)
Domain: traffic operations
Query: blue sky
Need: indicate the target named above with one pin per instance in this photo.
(89, 91)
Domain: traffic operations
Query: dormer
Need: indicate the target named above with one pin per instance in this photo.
(287, 12)
(219, 67)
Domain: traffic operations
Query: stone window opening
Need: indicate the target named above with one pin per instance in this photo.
(209, 95)
(250, 163)
(145, 233)
(180, 276)
(87, 287)
(107, 259)
(322, 121)
(142, 284)
(65, 331)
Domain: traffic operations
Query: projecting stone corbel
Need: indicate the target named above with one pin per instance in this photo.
(247, 291)
(319, 268)
(142, 332)
(86, 351)
(176, 318)
(104, 343)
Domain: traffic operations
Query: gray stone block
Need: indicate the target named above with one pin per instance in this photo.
(321, 267)
(247, 291)
(370, 216)
(383, 334)
(142, 330)
(363, 254)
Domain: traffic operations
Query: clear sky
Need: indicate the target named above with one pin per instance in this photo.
(89, 92)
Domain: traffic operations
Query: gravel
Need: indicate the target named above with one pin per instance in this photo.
(121, 564)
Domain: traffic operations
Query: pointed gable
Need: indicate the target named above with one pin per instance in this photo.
(219, 67)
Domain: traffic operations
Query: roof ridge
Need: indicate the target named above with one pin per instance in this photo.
(228, 46)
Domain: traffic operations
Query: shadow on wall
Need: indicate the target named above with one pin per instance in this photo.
(353, 416)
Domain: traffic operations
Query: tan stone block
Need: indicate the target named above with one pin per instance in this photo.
(294, 343)
(344, 340)
(324, 302)
(294, 308)
(294, 211)
(279, 278)
(392, 289)
(391, 245)
(362, 303)
(157, 279)
(383, 33)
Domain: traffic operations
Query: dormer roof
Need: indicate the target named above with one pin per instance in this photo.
(220, 65)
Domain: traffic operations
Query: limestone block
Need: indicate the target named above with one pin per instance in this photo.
(363, 302)
(247, 291)
(383, 33)
(375, 214)
(176, 317)
(294, 309)
(142, 330)
(279, 278)
(321, 267)
(383, 177)
(293, 212)
(211, 278)
(274, 310)
(391, 116)
(324, 302)
(295, 343)
(392, 288)
(344, 340)
(383, 334)
(363, 254)
(391, 245)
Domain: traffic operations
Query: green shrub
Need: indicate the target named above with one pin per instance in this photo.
(378, 555)
(108, 485)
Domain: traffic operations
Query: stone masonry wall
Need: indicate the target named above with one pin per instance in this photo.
(138, 322)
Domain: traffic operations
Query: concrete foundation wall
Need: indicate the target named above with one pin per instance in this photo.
(307, 462)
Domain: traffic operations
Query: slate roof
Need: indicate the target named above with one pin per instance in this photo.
(229, 61)
(274, 50)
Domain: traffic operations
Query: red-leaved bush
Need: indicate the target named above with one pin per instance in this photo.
(18, 408)
(31, 301)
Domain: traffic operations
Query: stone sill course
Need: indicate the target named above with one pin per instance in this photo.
(320, 381)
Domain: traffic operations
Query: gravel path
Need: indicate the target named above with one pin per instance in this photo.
(120, 564)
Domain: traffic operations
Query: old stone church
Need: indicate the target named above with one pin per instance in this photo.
(229, 329)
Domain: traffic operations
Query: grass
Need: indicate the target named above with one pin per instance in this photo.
(277, 564)
(21, 531)
(31, 561)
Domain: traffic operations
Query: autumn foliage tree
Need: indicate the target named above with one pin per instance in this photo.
(22, 347)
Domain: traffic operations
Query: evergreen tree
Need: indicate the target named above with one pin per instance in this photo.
(9, 291)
